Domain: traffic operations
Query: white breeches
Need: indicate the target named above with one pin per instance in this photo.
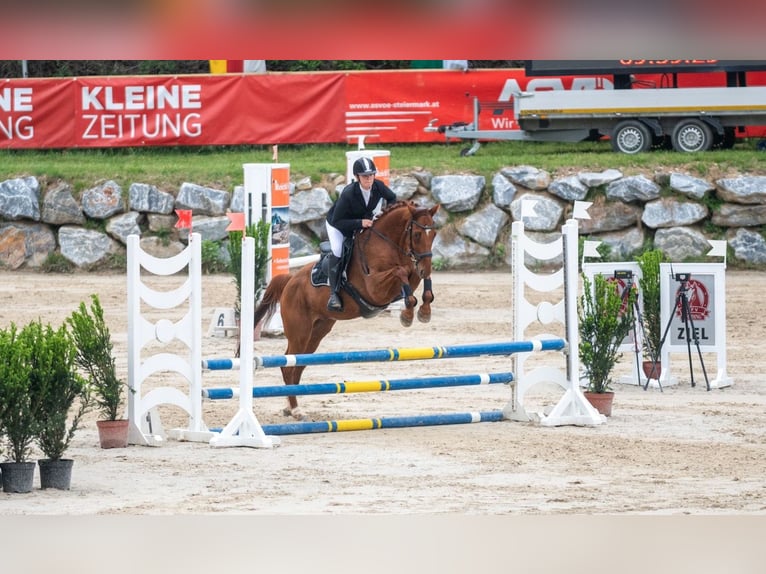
(336, 239)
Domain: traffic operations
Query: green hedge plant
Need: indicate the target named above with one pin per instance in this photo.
(649, 285)
(605, 319)
(94, 358)
(261, 232)
(18, 408)
(61, 394)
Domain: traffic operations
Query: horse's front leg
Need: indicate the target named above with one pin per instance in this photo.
(410, 302)
(424, 311)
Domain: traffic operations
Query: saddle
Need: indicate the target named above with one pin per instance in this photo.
(320, 277)
(320, 273)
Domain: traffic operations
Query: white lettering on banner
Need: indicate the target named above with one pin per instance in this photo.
(137, 98)
(141, 126)
(503, 123)
(16, 99)
(17, 128)
(511, 86)
(397, 105)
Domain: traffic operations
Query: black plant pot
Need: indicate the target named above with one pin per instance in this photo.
(18, 476)
(55, 473)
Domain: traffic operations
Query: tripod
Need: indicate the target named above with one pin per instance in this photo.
(682, 301)
(627, 276)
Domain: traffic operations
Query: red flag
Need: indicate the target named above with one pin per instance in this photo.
(184, 219)
(237, 220)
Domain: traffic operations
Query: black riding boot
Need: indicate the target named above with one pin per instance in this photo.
(335, 270)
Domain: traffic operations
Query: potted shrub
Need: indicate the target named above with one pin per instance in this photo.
(94, 357)
(651, 321)
(261, 232)
(18, 417)
(56, 386)
(604, 320)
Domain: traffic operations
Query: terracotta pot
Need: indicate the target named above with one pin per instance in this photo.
(652, 370)
(113, 434)
(602, 402)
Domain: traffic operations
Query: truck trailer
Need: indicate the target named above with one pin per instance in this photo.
(635, 120)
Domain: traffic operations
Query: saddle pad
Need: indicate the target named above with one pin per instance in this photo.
(319, 274)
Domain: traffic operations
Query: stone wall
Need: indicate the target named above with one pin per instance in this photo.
(673, 211)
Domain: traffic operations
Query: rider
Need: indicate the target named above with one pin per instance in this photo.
(355, 209)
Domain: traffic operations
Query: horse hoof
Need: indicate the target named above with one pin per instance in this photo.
(423, 318)
(405, 321)
(287, 412)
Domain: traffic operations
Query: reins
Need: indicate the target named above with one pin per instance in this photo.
(414, 256)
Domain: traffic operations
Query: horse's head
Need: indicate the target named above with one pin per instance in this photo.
(421, 231)
(411, 230)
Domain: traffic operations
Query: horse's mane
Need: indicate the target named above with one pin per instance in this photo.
(398, 205)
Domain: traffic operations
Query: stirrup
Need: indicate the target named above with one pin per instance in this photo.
(334, 303)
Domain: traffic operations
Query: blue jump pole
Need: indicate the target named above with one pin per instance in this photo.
(383, 423)
(392, 354)
(364, 386)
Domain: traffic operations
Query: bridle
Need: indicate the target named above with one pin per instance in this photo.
(414, 256)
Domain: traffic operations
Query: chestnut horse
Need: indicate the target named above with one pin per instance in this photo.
(387, 262)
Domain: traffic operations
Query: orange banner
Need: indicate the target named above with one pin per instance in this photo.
(280, 219)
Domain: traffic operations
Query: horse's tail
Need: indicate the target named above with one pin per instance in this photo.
(271, 297)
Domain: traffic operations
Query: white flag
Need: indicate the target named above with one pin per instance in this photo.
(590, 249)
(528, 208)
(580, 209)
(719, 248)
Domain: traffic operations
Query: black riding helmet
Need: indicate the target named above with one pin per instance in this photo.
(364, 166)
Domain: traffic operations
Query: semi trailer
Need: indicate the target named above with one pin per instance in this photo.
(635, 116)
(635, 120)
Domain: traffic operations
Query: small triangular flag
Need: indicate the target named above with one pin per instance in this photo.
(580, 209)
(184, 218)
(237, 221)
(528, 208)
(590, 248)
(719, 248)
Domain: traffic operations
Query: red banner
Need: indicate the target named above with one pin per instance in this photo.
(293, 108)
(276, 108)
(36, 113)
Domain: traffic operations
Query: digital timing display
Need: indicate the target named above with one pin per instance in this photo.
(574, 67)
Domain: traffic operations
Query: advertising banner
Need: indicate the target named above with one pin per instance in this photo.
(114, 112)
(290, 108)
(280, 219)
(36, 113)
(280, 108)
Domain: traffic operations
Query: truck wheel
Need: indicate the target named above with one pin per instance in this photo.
(631, 136)
(692, 136)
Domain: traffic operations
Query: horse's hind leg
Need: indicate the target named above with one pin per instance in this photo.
(292, 375)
